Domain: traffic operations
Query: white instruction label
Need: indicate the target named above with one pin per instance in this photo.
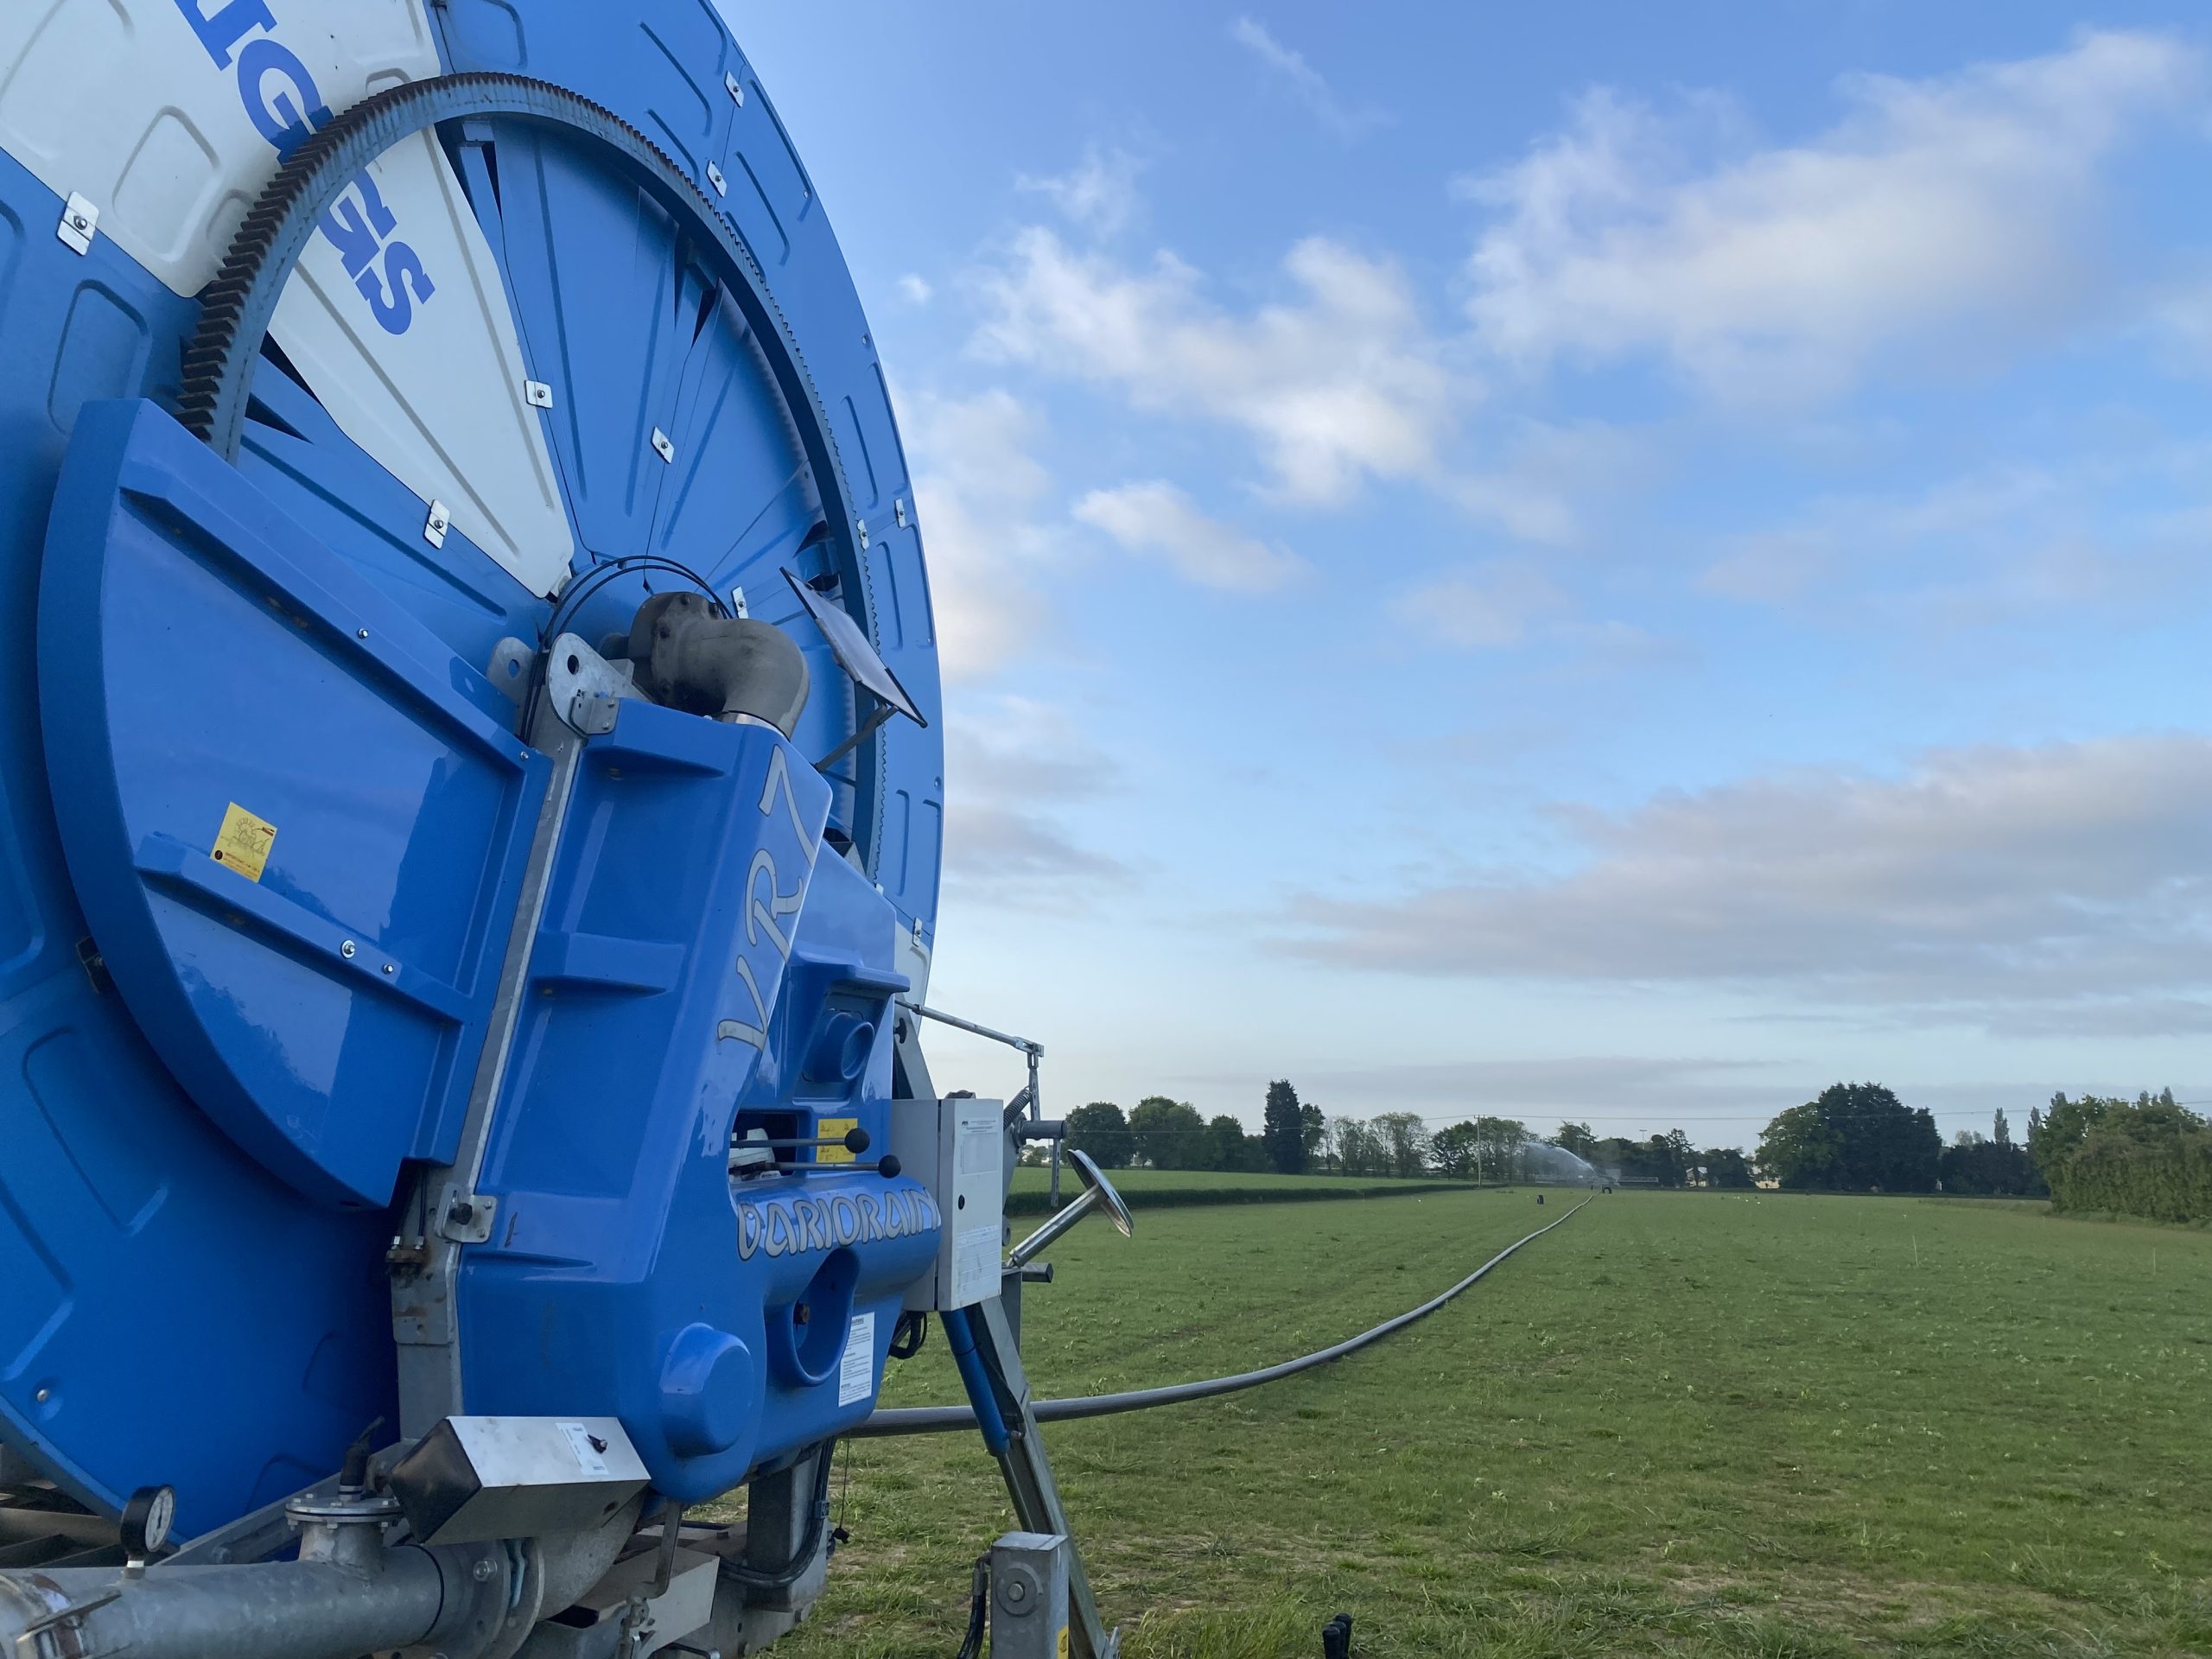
(587, 1451)
(975, 1265)
(856, 1373)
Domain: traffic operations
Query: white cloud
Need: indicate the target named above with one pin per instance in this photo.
(914, 289)
(1013, 763)
(2124, 525)
(1156, 517)
(1099, 193)
(1485, 607)
(2061, 887)
(1341, 383)
(1306, 82)
(1546, 479)
(979, 491)
(1938, 214)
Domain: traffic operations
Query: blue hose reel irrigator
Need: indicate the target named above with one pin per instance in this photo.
(472, 785)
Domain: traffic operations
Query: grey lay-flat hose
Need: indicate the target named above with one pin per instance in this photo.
(943, 1419)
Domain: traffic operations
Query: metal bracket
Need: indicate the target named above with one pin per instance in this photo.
(714, 177)
(899, 510)
(664, 446)
(465, 1216)
(736, 88)
(79, 223)
(538, 394)
(27, 1642)
(439, 522)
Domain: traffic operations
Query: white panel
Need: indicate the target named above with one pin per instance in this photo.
(171, 126)
(400, 324)
(123, 101)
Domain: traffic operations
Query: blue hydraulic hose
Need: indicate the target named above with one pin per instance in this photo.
(960, 1337)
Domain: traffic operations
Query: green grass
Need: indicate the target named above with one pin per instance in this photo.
(1152, 1189)
(1682, 1424)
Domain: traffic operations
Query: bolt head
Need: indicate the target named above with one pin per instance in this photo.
(391, 967)
(360, 633)
(346, 949)
(483, 1571)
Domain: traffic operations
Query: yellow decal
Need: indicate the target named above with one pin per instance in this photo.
(243, 843)
(834, 1129)
(1064, 1644)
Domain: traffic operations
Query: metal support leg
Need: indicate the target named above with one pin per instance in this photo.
(991, 1364)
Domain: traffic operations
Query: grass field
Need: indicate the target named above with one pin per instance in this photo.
(1032, 1177)
(1682, 1424)
(1146, 1189)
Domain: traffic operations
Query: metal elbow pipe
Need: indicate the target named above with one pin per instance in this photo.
(268, 1609)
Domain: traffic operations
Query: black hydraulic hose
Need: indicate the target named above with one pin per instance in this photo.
(943, 1419)
(792, 1571)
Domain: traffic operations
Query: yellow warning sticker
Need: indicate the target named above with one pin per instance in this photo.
(1063, 1642)
(834, 1129)
(243, 843)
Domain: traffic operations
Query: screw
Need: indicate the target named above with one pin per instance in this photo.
(76, 220)
(360, 633)
(43, 1395)
(346, 949)
(391, 967)
(1016, 1591)
(483, 1571)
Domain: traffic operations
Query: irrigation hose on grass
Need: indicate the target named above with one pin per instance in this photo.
(943, 1419)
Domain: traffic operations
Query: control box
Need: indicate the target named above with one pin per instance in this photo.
(957, 1147)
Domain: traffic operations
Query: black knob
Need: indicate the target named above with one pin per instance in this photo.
(889, 1167)
(856, 1140)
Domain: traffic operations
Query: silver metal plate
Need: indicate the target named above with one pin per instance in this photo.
(79, 223)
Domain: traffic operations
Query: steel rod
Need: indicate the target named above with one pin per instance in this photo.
(945, 1019)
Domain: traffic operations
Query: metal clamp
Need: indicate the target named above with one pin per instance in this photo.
(80, 224)
(464, 1216)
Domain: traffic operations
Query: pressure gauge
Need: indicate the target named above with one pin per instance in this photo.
(147, 1518)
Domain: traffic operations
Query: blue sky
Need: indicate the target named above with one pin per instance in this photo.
(1594, 560)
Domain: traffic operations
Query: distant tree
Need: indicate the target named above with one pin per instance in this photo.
(1360, 1148)
(1101, 1131)
(1223, 1143)
(1801, 1148)
(1169, 1134)
(1576, 1138)
(2004, 1130)
(1856, 1137)
(1456, 1152)
(1976, 1165)
(1725, 1167)
(2150, 1156)
(1311, 1131)
(1404, 1142)
(1498, 1146)
(1282, 1130)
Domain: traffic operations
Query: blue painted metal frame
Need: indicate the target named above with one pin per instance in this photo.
(327, 1012)
(170, 1308)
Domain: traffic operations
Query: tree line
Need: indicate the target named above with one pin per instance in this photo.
(2150, 1156)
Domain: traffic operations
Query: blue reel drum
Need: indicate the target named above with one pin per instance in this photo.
(539, 319)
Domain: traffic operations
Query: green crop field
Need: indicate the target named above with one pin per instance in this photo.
(1148, 1189)
(1696, 1424)
(1136, 1182)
